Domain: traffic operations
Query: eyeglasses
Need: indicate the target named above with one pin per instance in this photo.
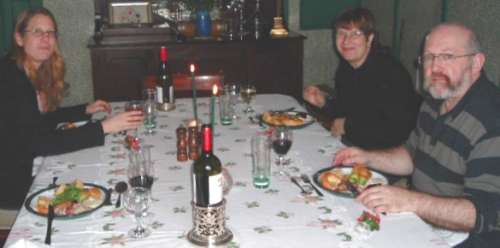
(348, 35)
(427, 59)
(38, 33)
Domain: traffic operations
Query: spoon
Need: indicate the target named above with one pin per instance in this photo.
(120, 188)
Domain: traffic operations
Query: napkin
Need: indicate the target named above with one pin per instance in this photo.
(23, 243)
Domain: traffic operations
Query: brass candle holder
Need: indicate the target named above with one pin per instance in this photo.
(209, 225)
(278, 29)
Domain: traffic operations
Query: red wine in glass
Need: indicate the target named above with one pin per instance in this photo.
(144, 181)
(281, 147)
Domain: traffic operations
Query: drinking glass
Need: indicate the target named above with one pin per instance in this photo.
(226, 108)
(282, 141)
(140, 171)
(134, 105)
(234, 92)
(149, 97)
(248, 92)
(261, 160)
(137, 201)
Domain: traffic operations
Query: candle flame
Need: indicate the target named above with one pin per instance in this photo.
(192, 68)
(214, 89)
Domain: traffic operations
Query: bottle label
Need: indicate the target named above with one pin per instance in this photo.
(214, 190)
(171, 94)
(159, 94)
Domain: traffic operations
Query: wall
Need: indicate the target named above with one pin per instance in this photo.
(75, 18)
(76, 25)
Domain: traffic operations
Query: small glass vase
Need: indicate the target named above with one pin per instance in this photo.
(203, 23)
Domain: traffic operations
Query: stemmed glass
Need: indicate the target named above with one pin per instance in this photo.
(141, 171)
(282, 141)
(134, 105)
(247, 93)
(137, 201)
(149, 105)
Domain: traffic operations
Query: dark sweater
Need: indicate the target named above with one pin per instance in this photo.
(378, 101)
(26, 133)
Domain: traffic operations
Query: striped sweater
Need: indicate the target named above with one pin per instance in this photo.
(457, 154)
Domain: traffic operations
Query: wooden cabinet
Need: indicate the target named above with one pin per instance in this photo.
(274, 65)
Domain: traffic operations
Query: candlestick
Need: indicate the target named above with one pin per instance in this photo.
(193, 86)
(212, 106)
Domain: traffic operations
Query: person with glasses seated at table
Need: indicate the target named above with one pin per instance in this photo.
(31, 89)
(374, 104)
(453, 154)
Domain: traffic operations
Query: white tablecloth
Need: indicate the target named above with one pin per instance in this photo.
(274, 217)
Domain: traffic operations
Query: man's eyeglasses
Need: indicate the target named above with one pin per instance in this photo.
(428, 58)
(353, 34)
(38, 33)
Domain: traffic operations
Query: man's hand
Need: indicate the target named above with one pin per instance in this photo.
(389, 199)
(123, 121)
(314, 96)
(351, 155)
(337, 127)
(98, 106)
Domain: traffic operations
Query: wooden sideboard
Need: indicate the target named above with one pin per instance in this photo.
(120, 64)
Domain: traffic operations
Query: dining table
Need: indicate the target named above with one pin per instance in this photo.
(276, 216)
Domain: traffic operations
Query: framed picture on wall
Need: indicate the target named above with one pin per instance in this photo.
(130, 12)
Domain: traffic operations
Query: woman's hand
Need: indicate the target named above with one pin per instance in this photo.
(98, 106)
(351, 155)
(314, 96)
(337, 128)
(123, 121)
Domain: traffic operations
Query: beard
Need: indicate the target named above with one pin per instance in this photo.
(444, 88)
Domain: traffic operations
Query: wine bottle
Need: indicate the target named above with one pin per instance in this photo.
(164, 89)
(207, 173)
(258, 21)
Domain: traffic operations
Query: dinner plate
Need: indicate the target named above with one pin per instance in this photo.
(30, 203)
(308, 119)
(453, 238)
(376, 178)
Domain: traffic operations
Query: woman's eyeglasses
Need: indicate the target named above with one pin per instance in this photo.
(38, 33)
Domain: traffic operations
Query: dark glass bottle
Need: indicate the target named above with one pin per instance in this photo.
(207, 173)
(165, 88)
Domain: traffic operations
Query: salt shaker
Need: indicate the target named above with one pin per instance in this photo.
(182, 154)
(193, 143)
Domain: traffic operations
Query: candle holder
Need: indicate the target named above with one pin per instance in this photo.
(278, 29)
(166, 106)
(209, 225)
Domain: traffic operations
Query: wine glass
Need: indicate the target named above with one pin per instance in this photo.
(140, 171)
(282, 141)
(134, 105)
(247, 93)
(149, 106)
(137, 201)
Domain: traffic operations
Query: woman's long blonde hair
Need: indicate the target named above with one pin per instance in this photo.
(48, 79)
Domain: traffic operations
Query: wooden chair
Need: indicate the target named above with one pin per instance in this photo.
(183, 84)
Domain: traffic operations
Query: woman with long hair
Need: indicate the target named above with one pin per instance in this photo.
(31, 90)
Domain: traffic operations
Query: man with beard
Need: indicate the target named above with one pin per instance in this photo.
(453, 155)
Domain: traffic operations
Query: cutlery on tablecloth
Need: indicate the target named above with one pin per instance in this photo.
(107, 202)
(54, 180)
(307, 180)
(302, 190)
(120, 188)
(355, 192)
(50, 218)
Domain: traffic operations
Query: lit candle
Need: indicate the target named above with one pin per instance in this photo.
(192, 69)
(212, 106)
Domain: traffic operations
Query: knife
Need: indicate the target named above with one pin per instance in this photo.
(354, 191)
(50, 218)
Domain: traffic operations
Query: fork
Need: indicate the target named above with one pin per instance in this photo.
(306, 179)
(294, 180)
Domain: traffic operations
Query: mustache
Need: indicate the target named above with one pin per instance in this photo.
(440, 75)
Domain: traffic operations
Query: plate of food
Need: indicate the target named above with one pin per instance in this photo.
(70, 125)
(292, 119)
(347, 181)
(70, 200)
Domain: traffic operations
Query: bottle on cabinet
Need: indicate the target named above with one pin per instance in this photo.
(258, 21)
(206, 173)
(165, 88)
